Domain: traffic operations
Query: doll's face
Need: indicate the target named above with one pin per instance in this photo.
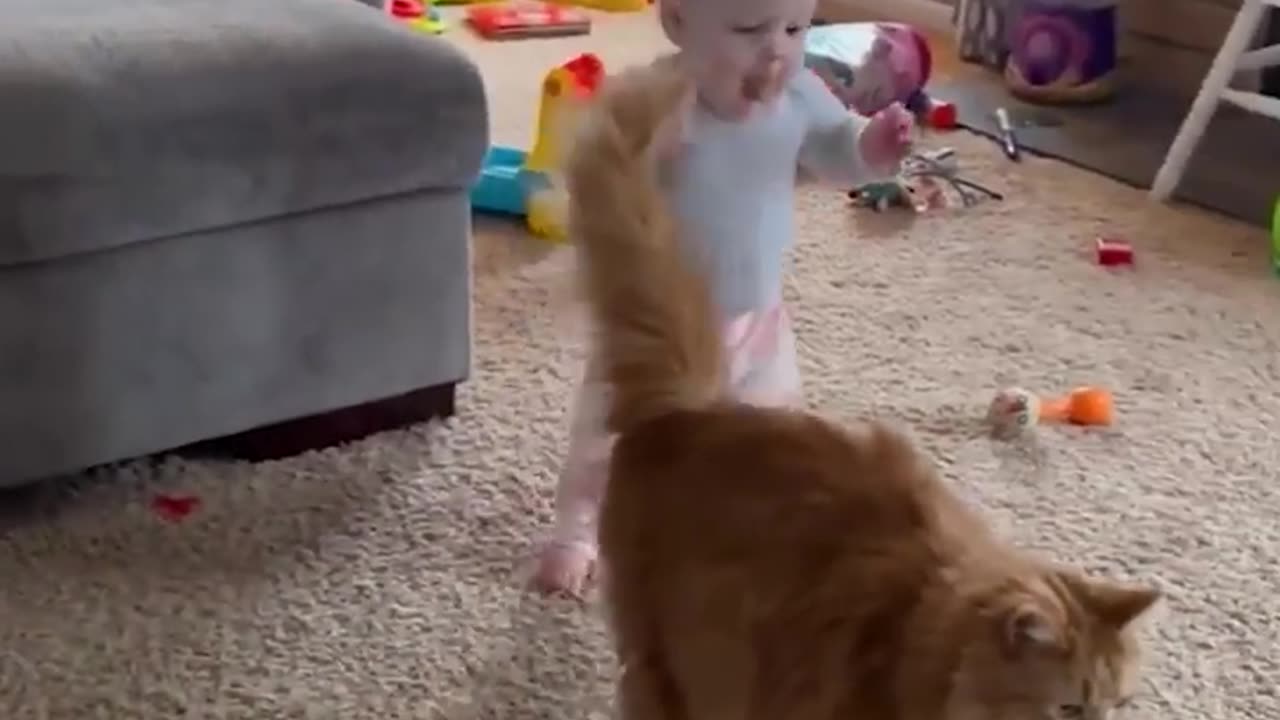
(732, 44)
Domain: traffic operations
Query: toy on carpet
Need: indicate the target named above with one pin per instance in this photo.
(528, 185)
(1111, 252)
(418, 14)
(526, 18)
(1014, 410)
(606, 5)
(919, 185)
(881, 196)
(174, 508)
(610, 5)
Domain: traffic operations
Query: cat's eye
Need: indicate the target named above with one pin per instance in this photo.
(1070, 712)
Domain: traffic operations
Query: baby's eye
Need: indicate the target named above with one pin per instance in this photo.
(751, 29)
(1070, 712)
(795, 29)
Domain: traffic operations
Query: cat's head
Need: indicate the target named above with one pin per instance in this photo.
(1058, 646)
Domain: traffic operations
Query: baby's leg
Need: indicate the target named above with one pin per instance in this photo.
(762, 352)
(568, 560)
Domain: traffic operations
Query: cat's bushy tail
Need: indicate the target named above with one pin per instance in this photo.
(658, 341)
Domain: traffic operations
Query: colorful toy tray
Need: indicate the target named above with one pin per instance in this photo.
(524, 18)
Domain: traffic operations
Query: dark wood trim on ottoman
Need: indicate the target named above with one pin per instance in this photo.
(313, 432)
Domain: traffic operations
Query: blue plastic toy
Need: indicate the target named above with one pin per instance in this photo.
(502, 185)
(529, 184)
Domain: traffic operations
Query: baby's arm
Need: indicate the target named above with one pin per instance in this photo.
(831, 152)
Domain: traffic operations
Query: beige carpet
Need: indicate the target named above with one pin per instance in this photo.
(381, 580)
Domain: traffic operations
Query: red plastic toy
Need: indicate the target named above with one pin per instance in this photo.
(525, 18)
(1113, 252)
(174, 508)
(419, 14)
(942, 116)
(406, 9)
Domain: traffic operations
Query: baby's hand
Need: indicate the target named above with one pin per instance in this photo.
(886, 140)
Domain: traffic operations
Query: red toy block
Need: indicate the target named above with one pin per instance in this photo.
(527, 19)
(406, 9)
(942, 116)
(1114, 252)
(174, 508)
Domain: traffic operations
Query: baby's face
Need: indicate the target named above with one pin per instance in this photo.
(734, 45)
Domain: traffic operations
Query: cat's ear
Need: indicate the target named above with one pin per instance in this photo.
(1027, 626)
(1119, 605)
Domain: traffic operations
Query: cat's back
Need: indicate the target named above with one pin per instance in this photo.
(740, 484)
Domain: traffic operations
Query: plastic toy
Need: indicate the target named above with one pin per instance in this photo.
(941, 116)
(501, 187)
(881, 196)
(1014, 410)
(527, 18)
(610, 5)
(1111, 252)
(871, 65)
(917, 186)
(174, 508)
(529, 184)
(418, 14)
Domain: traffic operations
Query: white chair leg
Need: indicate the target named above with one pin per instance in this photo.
(1202, 109)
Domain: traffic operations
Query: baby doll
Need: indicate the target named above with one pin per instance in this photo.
(757, 117)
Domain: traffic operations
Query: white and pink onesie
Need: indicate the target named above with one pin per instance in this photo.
(733, 190)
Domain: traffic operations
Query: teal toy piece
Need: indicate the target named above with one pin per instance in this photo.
(882, 195)
(504, 185)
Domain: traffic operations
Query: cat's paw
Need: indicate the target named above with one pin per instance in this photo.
(565, 569)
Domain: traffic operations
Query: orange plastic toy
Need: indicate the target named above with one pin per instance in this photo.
(1015, 410)
(1082, 406)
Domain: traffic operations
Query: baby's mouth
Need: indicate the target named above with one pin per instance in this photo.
(761, 85)
(753, 87)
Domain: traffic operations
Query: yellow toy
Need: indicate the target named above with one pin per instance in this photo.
(565, 91)
(418, 14)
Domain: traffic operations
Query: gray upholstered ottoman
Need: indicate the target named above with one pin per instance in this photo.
(220, 215)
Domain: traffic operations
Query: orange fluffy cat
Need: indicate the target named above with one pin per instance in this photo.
(765, 563)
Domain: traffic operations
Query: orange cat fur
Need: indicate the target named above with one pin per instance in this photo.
(764, 563)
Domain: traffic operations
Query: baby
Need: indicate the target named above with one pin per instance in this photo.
(758, 115)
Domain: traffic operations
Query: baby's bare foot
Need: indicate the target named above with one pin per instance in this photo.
(565, 568)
